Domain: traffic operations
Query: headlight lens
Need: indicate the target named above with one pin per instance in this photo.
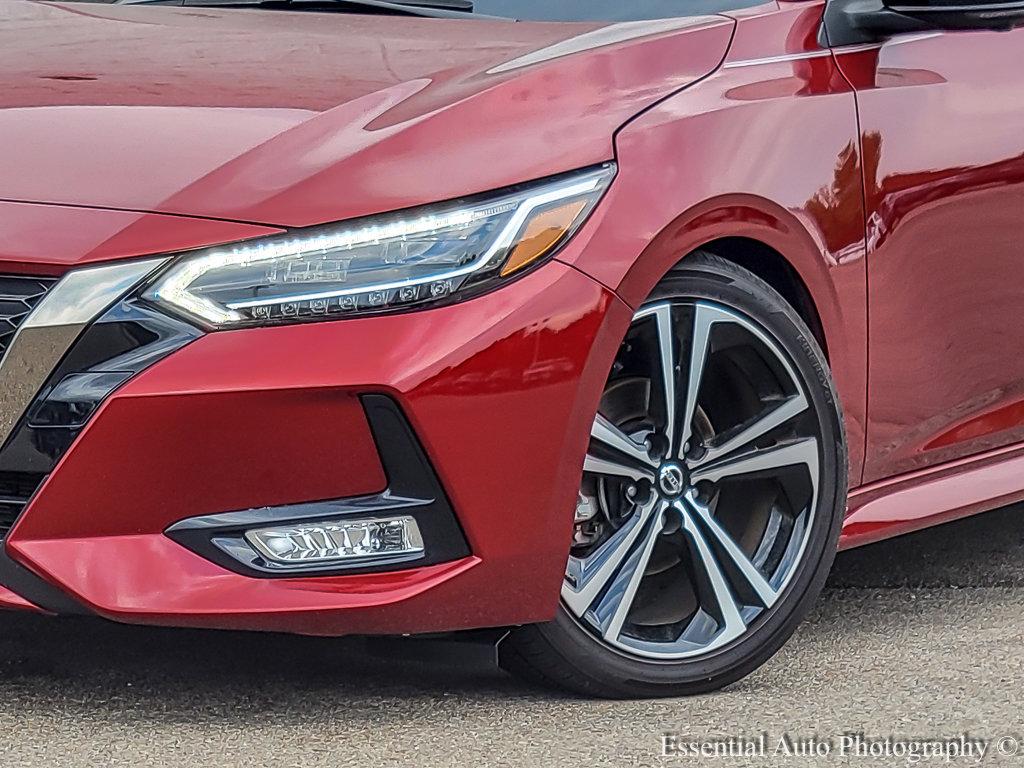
(382, 263)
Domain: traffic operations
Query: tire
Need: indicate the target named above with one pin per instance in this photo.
(757, 339)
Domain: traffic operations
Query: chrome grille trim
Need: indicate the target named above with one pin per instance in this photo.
(53, 325)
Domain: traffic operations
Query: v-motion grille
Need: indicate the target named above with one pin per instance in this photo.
(18, 295)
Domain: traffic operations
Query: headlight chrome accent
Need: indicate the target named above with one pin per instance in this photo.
(384, 263)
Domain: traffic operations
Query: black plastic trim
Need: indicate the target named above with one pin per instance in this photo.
(35, 589)
(859, 22)
(413, 489)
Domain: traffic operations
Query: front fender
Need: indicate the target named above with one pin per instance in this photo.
(730, 157)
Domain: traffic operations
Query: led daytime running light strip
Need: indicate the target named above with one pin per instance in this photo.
(502, 243)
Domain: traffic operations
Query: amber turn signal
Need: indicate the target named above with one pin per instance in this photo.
(542, 233)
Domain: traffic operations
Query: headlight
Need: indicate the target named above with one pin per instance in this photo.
(381, 263)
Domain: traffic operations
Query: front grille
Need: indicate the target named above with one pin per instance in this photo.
(16, 488)
(18, 295)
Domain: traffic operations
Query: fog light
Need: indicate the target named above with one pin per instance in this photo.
(338, 540)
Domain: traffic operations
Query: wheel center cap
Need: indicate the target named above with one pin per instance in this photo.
(671, 479)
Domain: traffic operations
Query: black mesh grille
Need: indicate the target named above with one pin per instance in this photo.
(18, 295)
(16, 488)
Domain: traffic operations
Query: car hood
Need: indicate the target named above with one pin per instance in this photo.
(294, 119)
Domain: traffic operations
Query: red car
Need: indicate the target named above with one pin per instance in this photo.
(574, 318)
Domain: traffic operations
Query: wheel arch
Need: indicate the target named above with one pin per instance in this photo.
(754, 232)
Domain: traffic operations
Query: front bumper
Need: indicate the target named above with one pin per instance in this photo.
(500, 391)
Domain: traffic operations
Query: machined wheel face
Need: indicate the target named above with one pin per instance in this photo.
(700, 486)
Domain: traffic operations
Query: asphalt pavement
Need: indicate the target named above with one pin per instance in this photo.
(919, 638)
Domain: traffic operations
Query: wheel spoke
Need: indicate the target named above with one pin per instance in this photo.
(797, 452)
(766, 593)
(599, 569)
(604, 467)
(613, 438)
(666, 349)
(775, 418)
(704, 317)
(728, 610)
(662, 314)
(610, 613)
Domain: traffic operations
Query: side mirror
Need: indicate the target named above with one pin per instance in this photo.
(868, 21)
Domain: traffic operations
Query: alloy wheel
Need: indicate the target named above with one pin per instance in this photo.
(700, 485)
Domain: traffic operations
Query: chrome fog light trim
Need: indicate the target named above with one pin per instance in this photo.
(337, 541)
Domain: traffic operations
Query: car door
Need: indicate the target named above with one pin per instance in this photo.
(942, 132)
